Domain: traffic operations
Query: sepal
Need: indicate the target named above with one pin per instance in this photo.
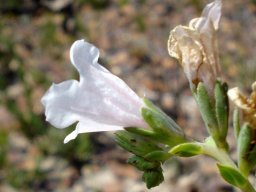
(135, 144)
(142, 164)
(160, 156)
(148, 156)
(150, 134)
(172, 124)
(153, 177)
(164, 129)
(187, 149)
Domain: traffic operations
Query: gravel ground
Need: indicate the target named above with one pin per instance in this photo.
(132, 38)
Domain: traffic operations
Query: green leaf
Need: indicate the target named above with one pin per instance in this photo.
(158, 156)
(232, 176)
(187, 149)
(252, 156)
(236, 122)
(140, 131)
(142, 164)
(222, 107)
(243, 148)
(153, 177)
(135, 144)
(244, 141)
(207, 110)
(147, 134)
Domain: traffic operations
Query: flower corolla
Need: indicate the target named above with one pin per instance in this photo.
(99, 101)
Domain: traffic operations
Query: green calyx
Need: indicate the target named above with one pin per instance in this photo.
(148, 155)
(163, 128)
(151, 146)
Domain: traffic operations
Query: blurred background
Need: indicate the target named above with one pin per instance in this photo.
(35, 37)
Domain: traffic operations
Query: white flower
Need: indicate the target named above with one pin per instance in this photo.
(100, 101)
(196, 48)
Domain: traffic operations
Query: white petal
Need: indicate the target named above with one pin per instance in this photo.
(83, 55)
(210, 18)
(213, 12)
(90, 126)
(58, 101)
(234, 94)
(254, 86)
(71, 136)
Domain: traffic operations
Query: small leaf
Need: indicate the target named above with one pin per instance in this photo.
(222, 107)
(243, 147)
(142, 164)
(244, 141)
(153, 177)
(158, 156)
(207, 110)
(252, 156)
(135, 144)
(236, 122)
(232, 176)
(148, 134)
(187, 149)
(140, 131)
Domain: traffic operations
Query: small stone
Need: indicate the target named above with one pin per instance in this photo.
(102, 180)
(167, 101)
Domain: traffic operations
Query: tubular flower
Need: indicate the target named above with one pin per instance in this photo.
(100, 101)
(195, 47)
(247, 105)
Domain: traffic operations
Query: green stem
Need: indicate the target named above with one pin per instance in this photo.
(222, 156)
(218, 154)
(244, 168)
(248, 188)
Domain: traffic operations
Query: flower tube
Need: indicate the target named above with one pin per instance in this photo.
(99, 101)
